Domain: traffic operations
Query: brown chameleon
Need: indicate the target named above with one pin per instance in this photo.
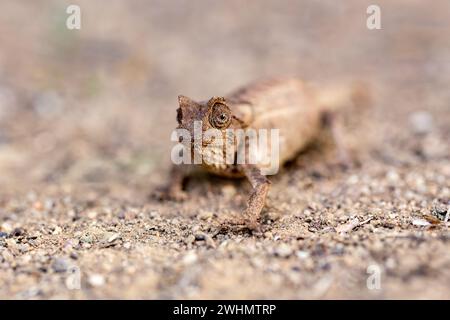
(297, 110)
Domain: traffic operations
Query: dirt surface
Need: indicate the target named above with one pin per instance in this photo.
(85, 121)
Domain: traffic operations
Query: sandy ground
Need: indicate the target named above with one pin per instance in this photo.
(85, 118)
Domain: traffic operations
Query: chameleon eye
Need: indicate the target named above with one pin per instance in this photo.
(220, 117)
(223, 118)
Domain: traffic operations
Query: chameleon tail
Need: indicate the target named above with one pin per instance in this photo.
(355, 96)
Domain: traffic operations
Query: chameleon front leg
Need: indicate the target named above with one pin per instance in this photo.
(257, 199)
(174, 189)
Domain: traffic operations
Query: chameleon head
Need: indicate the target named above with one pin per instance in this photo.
(213, 117)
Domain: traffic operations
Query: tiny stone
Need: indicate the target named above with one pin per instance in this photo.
(189, 258)
(392, 176)
(283, 250)
(17, 232)
(440, 211)
(421, 122)
(210, 242)
(129, 215)
(302, 254)
(3, 234)
(60, 265)
(109, 238)
(127, 245)
(200, 236)
(49, 204)
(113, 237)
(92, 214)
(390, 263)
(154, 214)
(353, 179)
(6, 227)
(12, 245)
(268, 235)
(23, 247)
(190, 239)
(86, 239)
(96, 280)
(38, 205)
(57, 230)
(205, 215)
(338, 249)
(86, 245)
(420, 222)
(273, 215)
(7, 256)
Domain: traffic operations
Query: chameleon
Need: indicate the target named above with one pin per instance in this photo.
(298, 110)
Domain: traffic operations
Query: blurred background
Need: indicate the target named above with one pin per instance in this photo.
(98, 104)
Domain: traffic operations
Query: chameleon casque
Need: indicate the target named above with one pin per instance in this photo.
(297, 110)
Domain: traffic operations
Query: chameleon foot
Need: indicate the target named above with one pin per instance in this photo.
(169, 195)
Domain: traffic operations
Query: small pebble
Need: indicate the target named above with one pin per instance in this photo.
(302, 254)
(440, 211)
(130, 215)
(205, 215)
(189, 258)
(60, 265)
(86, 239)
(23, 247)
(283, 250)
(190, 239)
(268, 235)
(273, 215)
(96, 280)
(92, 214)
(392, 176)
(17, 232)
(127, 245)
(154, 215)
(200, 236)
(421, 122)
(113, 237)
(6, 227)
(57, 230)
(420, 222)
(8, 256)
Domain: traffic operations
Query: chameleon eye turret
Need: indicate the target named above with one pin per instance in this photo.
(220, 116)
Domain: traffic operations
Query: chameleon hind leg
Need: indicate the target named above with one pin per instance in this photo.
(331, 122)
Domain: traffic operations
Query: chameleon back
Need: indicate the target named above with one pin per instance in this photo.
(286, 105)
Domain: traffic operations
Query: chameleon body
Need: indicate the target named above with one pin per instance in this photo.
(298, 111)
